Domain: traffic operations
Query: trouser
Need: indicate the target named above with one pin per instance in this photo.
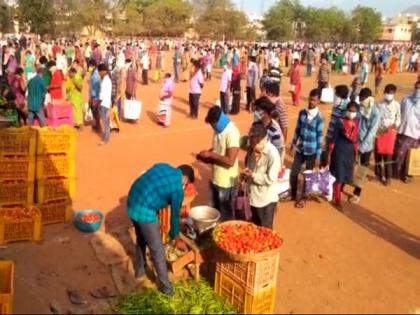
(364, 161)
(322, 85)
(309, 69)
(373, 67)
(296, 94)
(40, 115)
(148, 234)
(104, 112)
(145, 76)
(94, 106)
(177, 70)
(401, 66)
(402, 148)
(298, 161)
(379, 169)
(222, 200)
(194, 101)
(236, 102)
(353, 68)
(250, 97)
(264, 216)
(224, 101)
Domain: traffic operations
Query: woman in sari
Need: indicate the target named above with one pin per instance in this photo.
(74, 87)
(295, 83)
(56, 85)
(393, 63)
(18, 87)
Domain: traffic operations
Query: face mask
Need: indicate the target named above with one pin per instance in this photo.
(312, 112)
(257, 116)
(351, 115)
(417, 93)
(389, 97)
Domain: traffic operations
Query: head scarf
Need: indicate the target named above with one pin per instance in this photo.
(221, 123)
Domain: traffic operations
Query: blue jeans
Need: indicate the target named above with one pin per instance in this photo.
(309, 69)
(40, 115)
(222, 200)
(105, 123)
(148, 234)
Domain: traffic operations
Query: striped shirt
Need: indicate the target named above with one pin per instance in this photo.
(281, 109)
(157, 188)
(324, 73)
(308, 135)
(275, 136)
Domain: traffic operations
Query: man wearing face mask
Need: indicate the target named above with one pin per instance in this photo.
(408, 132)
(307, 143)
(369, 123)
(389, 111)
(262, 168)
(223, 156)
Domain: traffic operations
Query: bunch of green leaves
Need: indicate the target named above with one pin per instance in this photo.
(189, 297)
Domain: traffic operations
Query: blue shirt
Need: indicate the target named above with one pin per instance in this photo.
(308, 134)
(36, 93)
(95, 85)
(368, 130)
(157, 188)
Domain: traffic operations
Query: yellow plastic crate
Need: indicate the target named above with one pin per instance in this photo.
(18, 141)
(254, 276)
(56, 211)
(56, 140)
(7, 274)
(19, 229)
(16, 192)
(261, 302)
(55, 165)
(17, 168)
(52, 189)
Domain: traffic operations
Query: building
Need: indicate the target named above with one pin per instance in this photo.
(400, 29)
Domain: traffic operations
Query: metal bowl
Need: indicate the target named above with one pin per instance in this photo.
(204, 217)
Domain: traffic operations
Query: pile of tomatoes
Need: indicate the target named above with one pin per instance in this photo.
(15, 214)
(190, 190)
(90, 218)
(246, 238)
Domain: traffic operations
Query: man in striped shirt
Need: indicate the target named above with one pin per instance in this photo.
(272, 92)
(307, 143)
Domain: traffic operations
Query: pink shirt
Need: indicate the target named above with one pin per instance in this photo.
(168, 87)
(226, 78)
(195, 83)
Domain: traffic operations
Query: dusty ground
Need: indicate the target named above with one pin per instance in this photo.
(364, 260)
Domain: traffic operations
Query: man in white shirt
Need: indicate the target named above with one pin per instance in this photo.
(225, 87)
(105, 101)
(145, 63)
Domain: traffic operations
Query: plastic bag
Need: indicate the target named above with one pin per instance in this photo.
(88, 113)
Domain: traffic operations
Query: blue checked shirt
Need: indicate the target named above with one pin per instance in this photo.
(308, 135)
(158, 188)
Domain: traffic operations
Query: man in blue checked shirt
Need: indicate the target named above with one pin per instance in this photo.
(306, 147)
(159, 187)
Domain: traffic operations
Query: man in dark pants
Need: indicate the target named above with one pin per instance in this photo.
(94, 91)
(152, 191)
(196, 86)
(307, 143)
(251, 82)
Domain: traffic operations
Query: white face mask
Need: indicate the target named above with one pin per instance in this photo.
(312, 113)
(351, 115)
(389, 97)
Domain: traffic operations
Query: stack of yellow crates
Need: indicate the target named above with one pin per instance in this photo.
(250, 286)
(55, 173)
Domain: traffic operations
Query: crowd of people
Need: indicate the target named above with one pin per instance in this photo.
(36, 72)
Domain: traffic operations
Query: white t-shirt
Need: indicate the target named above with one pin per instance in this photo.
(145, 62)
(106, 92)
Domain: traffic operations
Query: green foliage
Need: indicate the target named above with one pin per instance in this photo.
(368, 24)
(6, 17)
(189, 298)
(39, 14)
(322, 24)
(219, 18)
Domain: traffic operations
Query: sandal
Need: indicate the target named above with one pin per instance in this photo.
(75, 297)
(354, 199)
(300, 204)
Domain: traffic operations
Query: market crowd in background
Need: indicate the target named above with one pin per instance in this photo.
(35, 73)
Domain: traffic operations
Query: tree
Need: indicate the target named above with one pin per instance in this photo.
(94, 15)
(219, 18)
(6, 17)
(167, 17)
(367, 23)
(278, 21)
(39, 14)
(128, 21)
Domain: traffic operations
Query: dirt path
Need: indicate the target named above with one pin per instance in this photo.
(364, 260)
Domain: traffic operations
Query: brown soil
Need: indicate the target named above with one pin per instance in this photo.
(364, 260)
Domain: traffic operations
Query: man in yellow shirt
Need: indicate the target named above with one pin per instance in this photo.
(223, 156)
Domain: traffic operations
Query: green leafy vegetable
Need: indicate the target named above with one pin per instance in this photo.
(190, 297)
